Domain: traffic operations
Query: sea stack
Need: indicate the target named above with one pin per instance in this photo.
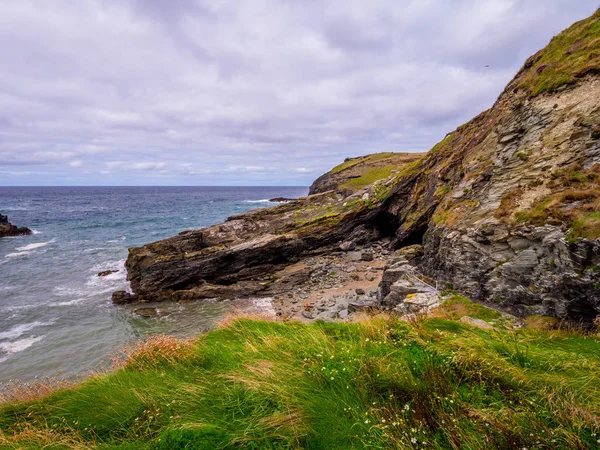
(8, 229)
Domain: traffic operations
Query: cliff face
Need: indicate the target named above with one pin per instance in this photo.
(507, 207)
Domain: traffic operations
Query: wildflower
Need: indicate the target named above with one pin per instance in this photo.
(413, 440)
(406, 407)
(382, 420)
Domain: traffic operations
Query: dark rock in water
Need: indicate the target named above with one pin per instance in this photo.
(147, 312)
(282, 199)
(122, 298)
(8, 229)
(106, 272)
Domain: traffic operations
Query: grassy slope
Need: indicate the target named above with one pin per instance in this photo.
(379, 383)
(570, 55)
(366, 170)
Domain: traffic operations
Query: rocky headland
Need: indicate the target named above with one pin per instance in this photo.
(7, 229)
(505, 209)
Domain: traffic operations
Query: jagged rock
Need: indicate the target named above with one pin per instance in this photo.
(105, 273)
(366, 256)
(122, 298)
(364, 305)
(409, 252)
(355, 256)
(7, 229)
(360, 291)
(503, 207)
(348, 246)
(414, 303)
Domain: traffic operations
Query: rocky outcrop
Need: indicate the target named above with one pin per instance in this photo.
(248, 254)
(505, 208)
(7, 229)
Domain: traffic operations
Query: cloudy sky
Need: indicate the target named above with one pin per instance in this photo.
(257, 92)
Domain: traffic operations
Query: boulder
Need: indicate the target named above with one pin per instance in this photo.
(8, 230)
(105, 273)
(122, 298)
(478, 323)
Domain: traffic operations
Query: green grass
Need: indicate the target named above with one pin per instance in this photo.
(379, 383)
(351, 162)
(370, 176)
(571, 55)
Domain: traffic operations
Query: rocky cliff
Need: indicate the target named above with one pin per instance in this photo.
(7, 229)
(506, 207)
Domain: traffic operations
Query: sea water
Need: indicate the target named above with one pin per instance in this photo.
(56, 315)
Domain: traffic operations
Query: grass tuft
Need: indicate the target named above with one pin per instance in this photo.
(376, 383)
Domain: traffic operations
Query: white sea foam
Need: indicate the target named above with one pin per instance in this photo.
(18, 330)
(69, 303)
(264, 200)
(17, 254)
(36, 232)
(28, 247)
(18, 346)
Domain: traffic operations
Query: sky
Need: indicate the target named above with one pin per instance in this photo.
(256, 92)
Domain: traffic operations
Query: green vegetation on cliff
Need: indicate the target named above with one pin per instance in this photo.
(377, 383)
(572, 54)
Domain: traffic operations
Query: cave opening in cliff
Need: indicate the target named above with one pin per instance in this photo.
(388, 226)
(581, 312)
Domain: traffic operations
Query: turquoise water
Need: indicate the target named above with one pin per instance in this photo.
(56, 317)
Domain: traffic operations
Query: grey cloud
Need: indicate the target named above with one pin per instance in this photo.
(202, 92)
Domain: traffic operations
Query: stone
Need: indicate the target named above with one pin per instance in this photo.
(361, 305)
(122, 297)
(347, 246)
(366, 256)
(105, 273)
(360, 291)
(147, 312)
(355, 256)
(478, 323)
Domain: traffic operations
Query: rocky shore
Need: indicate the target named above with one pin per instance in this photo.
(7, 229)
(504, 210)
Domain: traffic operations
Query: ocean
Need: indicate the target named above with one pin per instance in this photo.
(56, 315)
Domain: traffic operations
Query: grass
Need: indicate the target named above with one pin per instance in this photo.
(370, 176)
(377, 383)
(574, 203)
(351, 162)
(570, 55)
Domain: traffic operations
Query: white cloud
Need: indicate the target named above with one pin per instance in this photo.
(244, 92)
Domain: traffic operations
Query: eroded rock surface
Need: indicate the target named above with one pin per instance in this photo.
(504, 209)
